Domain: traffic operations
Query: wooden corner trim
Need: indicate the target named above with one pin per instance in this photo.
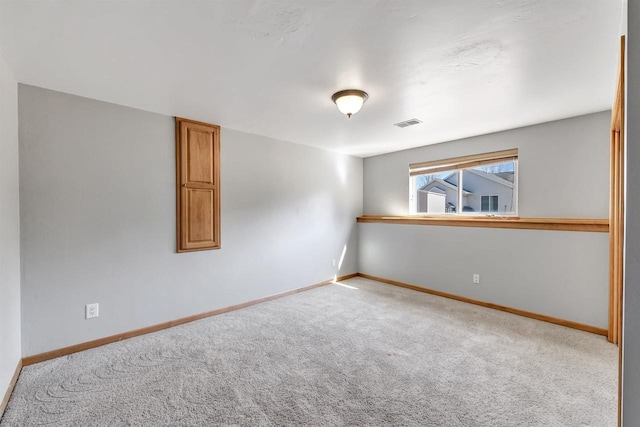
(12, 384)
(41, 357)
(544, 318)
(555, 224)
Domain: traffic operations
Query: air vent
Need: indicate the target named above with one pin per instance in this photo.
(406, 123)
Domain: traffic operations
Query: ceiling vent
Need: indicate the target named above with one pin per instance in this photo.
(406, 123)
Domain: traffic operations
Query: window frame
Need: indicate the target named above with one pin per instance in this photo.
(459, 165)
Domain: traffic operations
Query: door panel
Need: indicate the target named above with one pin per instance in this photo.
(198, 185)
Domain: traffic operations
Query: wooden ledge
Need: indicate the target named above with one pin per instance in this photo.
(558, 224)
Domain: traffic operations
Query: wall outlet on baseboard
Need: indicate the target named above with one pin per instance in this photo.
(91, 311)
(476, 278)
(333, 263)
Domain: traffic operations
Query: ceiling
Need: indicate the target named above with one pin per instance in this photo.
(463, 68)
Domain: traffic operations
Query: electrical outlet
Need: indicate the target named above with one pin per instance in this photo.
(333, 263)
(476, 278)
(91, 311)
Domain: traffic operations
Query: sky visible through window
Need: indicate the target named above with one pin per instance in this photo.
(425, 179)
(497, 168)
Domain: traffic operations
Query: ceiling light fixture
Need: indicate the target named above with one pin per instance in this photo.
(349, 101)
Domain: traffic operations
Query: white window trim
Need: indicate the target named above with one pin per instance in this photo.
(459, 164)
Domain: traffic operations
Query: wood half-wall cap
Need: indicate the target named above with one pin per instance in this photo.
(555, 224)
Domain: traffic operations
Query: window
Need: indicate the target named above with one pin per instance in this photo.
(489, 204)
(483, 184)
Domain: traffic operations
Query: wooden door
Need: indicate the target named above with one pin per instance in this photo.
(198, 185)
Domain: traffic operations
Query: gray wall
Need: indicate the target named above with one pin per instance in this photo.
(631, 330)
(563, 168)
(559, 274)
(97, 196)
(563, 172)
(10, 351)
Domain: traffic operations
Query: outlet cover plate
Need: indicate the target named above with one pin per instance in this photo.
(91, 311)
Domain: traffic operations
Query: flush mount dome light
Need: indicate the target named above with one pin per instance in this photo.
(349, 101)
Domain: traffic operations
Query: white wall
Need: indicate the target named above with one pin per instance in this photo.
(563, 172)
(631, 331)
(10, 351)
(98, 220)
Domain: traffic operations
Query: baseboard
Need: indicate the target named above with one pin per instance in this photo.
(544, 318)
(12, 384)
(347, 277)
(41, 357)
(158, 327)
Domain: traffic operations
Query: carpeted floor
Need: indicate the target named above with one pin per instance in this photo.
(361, 354)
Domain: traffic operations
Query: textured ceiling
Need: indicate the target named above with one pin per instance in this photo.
(463, 68)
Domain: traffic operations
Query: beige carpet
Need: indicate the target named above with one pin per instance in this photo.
(361, 353)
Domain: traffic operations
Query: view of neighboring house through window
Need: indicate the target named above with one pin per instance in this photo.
(484, 184)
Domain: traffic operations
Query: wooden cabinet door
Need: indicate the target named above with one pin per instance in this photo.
(198, 185)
